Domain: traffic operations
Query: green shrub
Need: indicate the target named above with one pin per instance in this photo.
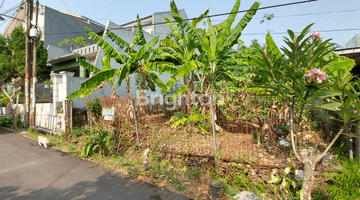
(19, 122)
(99, 141)
(6, 122)
(95, 108)
(77, 131)
(345, 183)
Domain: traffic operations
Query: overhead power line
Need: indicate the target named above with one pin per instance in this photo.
(2, 4)
(65, 5)
(209, 16)
(9, 11)
(317, 13)
(12, 17)
(278, 33)
(323, 31)
(276, 16)
(229, 13)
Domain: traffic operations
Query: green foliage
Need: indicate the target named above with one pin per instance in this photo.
(241, 180)
(4, 99)
(99, 141)
(12, 56)
(345, 183)
(194, 118)
(181, 188)
(6, 122)
(78, 131)
(283, 182)
(131, 62)
(78, 41)
(19, 122)
(288, 71)
(267, 17)
(95, 108)
(47, 81)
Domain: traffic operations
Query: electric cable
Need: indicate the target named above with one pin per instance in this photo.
(209, 16)
(2, 4)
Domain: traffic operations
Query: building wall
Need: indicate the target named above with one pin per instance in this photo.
(59, 26)
(128, 36)
(163, 29)
(5, 111)
(64, 83)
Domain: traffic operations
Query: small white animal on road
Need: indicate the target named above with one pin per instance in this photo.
(43, 140)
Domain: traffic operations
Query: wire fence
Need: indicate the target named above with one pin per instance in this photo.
(249, 128)
(44, 92)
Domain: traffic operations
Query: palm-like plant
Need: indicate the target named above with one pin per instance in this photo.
(180, 48)
(131, 62)
(185, 43)
(216, 45)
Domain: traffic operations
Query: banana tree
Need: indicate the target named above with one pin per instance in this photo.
(301, 74)
(216, 45)
(131, 62)
(180, 48)
(106, 65)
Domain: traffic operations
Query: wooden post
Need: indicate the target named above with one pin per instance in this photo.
(214, 134)
(137, 132)
(68, 119)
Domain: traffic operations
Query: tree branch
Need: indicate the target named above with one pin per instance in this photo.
(4, 91)
(292, 134)
(330, 145)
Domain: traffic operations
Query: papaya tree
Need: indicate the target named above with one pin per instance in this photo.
(131, 62)
(301, 73)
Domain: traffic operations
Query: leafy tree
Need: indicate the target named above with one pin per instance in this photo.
(12, 57)
(12, 65)
(78, 41)
(267, 17)
(14, 92)
(302, 74)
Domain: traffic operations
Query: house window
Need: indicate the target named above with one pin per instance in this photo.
(93, 48)
(81, 51)
(85, 50)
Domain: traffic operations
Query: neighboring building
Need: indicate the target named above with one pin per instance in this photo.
(54, 26)
(353, 53)
(127, 32)
(352, 50)
(354, 42)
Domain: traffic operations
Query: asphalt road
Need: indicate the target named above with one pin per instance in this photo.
(28, 171)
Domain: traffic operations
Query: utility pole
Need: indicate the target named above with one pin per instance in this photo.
(28, 61)
(34, 70)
